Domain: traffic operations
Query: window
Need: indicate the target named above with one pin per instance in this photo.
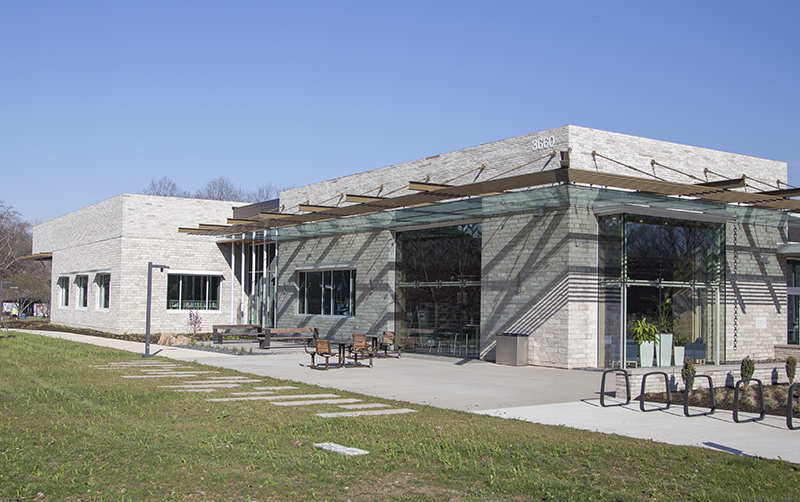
(103, 290)
(668, 271)
(793, 310)
(82, 283)
(63, 295)
(327, 292)
(197, 292)
(439, 288)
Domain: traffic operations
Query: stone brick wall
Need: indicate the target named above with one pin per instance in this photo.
(374, 256)
(758, 289)
(517, 154)
(540, 278)
(120, 236)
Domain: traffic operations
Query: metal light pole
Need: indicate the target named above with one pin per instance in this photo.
(150, 267)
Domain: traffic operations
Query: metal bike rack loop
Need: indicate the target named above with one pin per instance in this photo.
(736, 401)
(603, 387)
(789, 403)
(688, 390)
(641, 395)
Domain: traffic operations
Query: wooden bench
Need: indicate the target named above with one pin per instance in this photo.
(304, 335)
(221, 330)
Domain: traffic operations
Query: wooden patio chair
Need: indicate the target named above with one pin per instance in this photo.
(361, 349)
(386, 342)
(322, 348)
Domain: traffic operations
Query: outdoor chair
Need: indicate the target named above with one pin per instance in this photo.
(322, 348)
(387, 342)
(361, 349)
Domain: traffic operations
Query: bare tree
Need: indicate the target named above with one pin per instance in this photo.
(165, 187)
(29, 281)
(263, 193)
(220, 188)
(15, 238)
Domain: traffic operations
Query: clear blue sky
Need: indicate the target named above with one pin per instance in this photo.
(97, 98)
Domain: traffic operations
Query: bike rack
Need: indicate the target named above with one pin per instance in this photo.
(736, 401)
(688, 390)
(603, 387)
(789, 404)
(641, 395)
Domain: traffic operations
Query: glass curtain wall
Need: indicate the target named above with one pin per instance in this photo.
(793, 312)
(439, 290)
(259, 283)
(667, 272)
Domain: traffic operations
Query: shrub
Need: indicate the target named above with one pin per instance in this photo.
(791, 368)
(687, 372)
(195, 322)
(747, 368)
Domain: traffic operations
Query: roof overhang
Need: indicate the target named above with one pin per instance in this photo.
(428, 193)
(38, 257)
(789, 249)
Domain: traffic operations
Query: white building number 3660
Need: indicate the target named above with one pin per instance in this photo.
(540, 143)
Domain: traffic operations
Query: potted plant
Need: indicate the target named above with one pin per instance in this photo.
(644, 334)
(679, 348)
(665, 331)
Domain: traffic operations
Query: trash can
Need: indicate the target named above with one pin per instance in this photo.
(23, 316)
(512, 349)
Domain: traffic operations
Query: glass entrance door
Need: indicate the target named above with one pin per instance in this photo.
(259, 284)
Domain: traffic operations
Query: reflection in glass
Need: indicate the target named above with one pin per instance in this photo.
(439, 294)
(667, 271)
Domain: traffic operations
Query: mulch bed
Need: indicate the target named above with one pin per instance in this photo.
(775, 397)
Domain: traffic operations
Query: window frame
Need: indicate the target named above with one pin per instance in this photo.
(103, 282)
(63, 293)
(82, 285)
(207, 301)
(327, 302)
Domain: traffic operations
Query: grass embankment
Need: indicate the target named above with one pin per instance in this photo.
(71, 432)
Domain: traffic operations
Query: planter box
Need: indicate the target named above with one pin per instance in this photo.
(646, 353)
(664, 354)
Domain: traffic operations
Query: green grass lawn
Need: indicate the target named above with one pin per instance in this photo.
(70, 431)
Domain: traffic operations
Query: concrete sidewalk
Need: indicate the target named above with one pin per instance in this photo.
(534, 394)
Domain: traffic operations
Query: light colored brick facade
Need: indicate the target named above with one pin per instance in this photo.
(539, 258)
(119, 236)
(540, 269)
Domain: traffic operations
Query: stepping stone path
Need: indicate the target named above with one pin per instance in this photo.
(273, 395)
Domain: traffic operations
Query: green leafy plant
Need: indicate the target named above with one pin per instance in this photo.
(747, 368)
(666, 315)
(644, 331)
(680, 340)
(687, 372)
(791, 368)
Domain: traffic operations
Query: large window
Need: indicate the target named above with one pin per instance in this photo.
(439, 289)
(103, 290)
(63, 291)
(327, 292)
(82, 283)
(793, 314)
(196, 292)
(669, 272)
